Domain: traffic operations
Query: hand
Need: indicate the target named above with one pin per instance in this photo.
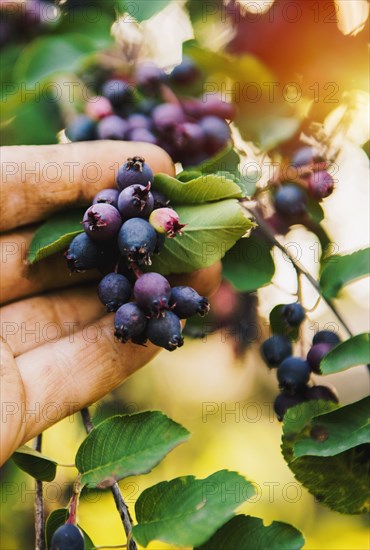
(58, 352)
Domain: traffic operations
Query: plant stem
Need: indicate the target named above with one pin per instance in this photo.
(39, 506)
(296, 263)
(117, 495)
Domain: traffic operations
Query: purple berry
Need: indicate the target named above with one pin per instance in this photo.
(114, 291)
(293, 374)
(217, 133)
(290, 201)
(326, 337)
(152, 293)
(109, 196)
(112, 127)
(135, 201)
(130, 323)
(117, 92)
(137, 241)
(166, 331)
(321, 392)
(138, 121)
(303, 157)
(82, 128)
(142, 134)
(67, 537)
(316, 354)
(149, 77)
(275, 349)
(189, 137)
(214, 106)
(166, 221)
(320, 184)
(102, 221)
(186, 73)
(293, 314)
(167, 116)
(84, 254)
(134, 172)
(186, 302)
(285, 401)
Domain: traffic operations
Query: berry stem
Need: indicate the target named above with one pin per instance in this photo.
(296, 264)
(73, 503)
(39, 505)
(117, 495)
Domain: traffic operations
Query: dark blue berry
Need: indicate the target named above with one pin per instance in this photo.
(149, 77)
(293, 374)
(186, 302)
(165, 331)
(130, 323)
(112, 127)
(321, 392)
(135, 201)
(67, 537)
(290, 201)
(84, 254)
(326, 337)
(134, 172)
(82, 128)
(102, 221)
(320, 184)
(217, 133)
(160, 201)
(117, 91)
(114, 291)
(303, 156)
(285, 401)
(152, 293)
(293, 314)
(137, 241)
(109, 196)
(167, 116)
(275, 349)
(186, 73)
(316, 354)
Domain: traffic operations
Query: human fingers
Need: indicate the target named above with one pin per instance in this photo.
(39, 180)
(30, 323)
(18, 279)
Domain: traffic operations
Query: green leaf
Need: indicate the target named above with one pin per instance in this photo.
(226, 160)
(127, 445)
(35, 464)
(55, 234)
(249, 264)
(212, 229)
(338, 271)
(279, 326)
(187, 175)
(314, 209)
(352, 352)
(249, 533)
(142, 9)
(49, 55)
(89, 22)
(335, 431)
(187, 511)
(205, 188)
(339, 481)
(56, 519)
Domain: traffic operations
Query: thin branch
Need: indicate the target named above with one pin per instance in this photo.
(39, 506)
(117, 495)
(296, 264)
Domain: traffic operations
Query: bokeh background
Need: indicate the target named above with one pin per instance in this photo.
(223, 398)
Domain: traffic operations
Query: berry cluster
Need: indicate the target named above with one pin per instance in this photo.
(123, 229)
(293, 373)
(312, 182)
(145, 107)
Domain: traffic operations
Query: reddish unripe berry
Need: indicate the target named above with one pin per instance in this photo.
(320, 184)
(166, 221)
